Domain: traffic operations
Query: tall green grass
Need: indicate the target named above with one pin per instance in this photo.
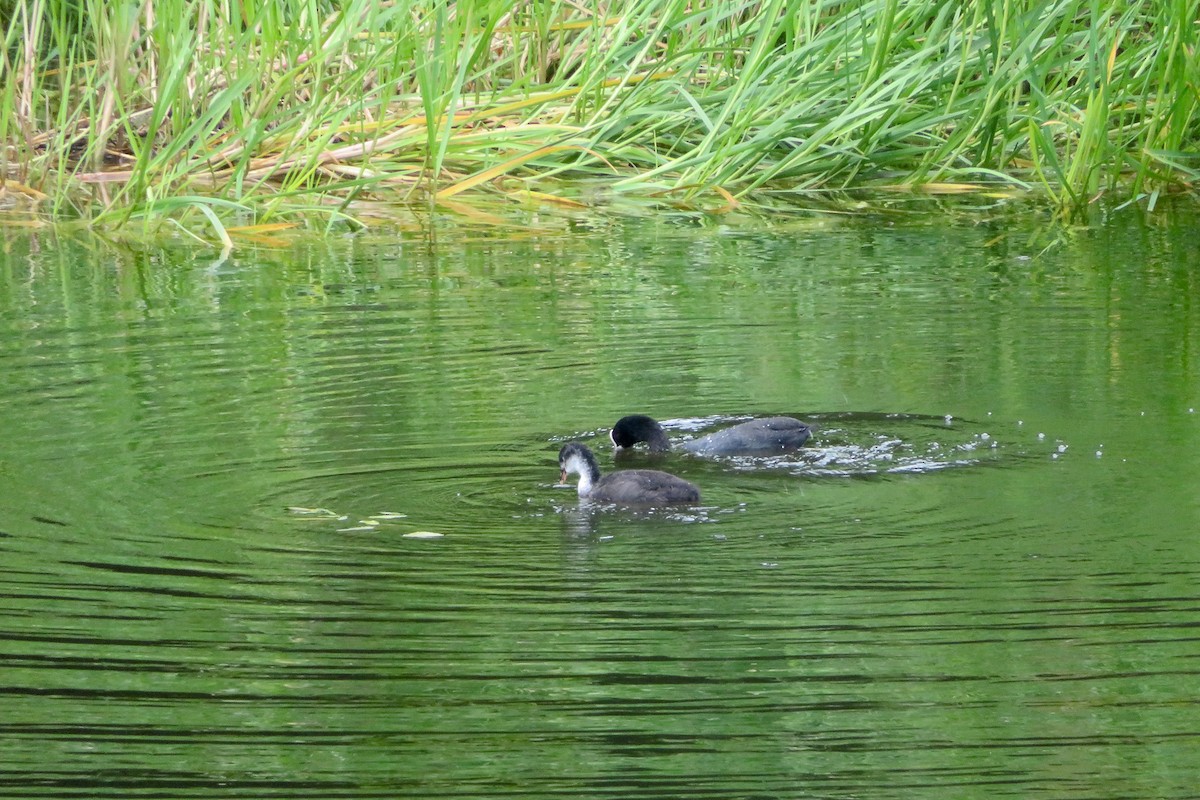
(269, 111)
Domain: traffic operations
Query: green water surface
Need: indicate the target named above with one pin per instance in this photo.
(979, 580)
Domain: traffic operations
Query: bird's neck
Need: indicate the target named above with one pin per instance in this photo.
(589, 474)
(658, 441)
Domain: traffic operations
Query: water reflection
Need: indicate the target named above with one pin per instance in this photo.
(215, 484)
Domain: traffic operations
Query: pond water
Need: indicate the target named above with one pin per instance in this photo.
(218, 480)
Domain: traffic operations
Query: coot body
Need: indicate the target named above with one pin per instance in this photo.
(764, 436)
(627, 486)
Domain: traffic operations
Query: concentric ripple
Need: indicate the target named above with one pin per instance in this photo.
(289, 525)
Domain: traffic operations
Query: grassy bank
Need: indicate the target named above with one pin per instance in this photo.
(270, 111)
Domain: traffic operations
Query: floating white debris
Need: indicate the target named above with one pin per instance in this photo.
(390, 515)
(1041, 436)
(423, 535)
(363, 525)
(325, 512)
(1062, 448)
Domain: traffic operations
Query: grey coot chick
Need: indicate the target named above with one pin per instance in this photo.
(756, 437)
(632, 486)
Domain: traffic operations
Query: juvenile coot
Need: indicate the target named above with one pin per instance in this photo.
(756, 437)
(634, 486)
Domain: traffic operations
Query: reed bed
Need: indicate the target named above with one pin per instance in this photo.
(269, 112)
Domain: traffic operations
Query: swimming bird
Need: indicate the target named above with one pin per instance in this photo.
(756, 437)
(633, 486)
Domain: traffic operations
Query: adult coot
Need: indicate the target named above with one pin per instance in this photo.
(756, 437)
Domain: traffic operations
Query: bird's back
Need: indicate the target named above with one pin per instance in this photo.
(644, 487)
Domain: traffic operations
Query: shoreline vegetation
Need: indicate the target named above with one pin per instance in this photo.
(267, 114)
